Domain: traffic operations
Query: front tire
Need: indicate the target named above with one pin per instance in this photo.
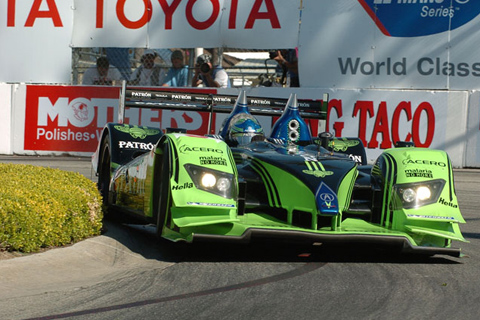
(104, 172)
(165, 196)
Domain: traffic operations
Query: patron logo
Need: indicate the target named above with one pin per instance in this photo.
(141, 94)
(135, 145)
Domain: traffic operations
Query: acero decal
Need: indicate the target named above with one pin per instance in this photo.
(424, 162)
(415, 18)
(186, 149)
(136, 131)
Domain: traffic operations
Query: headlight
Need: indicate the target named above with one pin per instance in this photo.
(208, 180)
(412, 195)
(217, 182)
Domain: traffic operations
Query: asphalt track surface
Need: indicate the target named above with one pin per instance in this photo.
(127, 274)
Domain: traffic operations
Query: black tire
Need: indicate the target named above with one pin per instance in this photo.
(104, 172)
(164, 198)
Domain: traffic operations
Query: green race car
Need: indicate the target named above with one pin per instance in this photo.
(241, 186)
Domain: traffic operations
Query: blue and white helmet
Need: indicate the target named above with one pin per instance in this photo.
(244, 129)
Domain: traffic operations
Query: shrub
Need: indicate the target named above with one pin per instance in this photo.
(44, 207)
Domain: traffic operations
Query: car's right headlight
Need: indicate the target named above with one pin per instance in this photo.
(214, 181)
(417, 194)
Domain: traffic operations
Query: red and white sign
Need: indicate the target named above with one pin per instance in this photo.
(381, 118)
(186, 23)
(67, 119)
(71, 118)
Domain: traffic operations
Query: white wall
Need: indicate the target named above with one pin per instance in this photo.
(471, 139)
(445, 120)
(5, 119)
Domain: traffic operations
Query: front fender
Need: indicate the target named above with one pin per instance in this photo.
(192, 204)
(401, 173)
(125, 143)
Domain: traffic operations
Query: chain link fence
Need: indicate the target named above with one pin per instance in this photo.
(255, 70)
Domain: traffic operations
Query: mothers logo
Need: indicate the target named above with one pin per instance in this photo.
(415, 18)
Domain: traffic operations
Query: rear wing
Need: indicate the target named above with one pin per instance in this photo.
(181, 99)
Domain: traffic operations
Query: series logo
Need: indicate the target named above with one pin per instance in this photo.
(416, 18)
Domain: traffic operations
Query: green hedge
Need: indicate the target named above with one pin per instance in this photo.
(44, 207)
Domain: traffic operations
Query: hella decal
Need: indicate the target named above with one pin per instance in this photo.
(186, 185)
(447, 203)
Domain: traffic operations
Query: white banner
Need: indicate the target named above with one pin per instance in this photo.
(35, 37)
(259, 24)
(387, 44)
(472, 134)
(6, 112)
(401, 44)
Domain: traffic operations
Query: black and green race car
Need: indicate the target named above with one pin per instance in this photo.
(287, 187)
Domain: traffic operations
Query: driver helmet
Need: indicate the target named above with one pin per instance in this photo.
(245, 130)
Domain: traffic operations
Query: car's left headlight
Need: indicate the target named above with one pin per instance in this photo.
(217, 182)
(413, 195)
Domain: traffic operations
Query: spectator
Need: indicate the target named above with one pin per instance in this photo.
(288, 60)
(207, 75)
(101, 74)
(177, 75)
(149, 73)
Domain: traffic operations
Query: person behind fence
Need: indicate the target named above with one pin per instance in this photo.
(148, 74)
(177, 75)
(288, 60)
(101, 74)
(208, 75)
